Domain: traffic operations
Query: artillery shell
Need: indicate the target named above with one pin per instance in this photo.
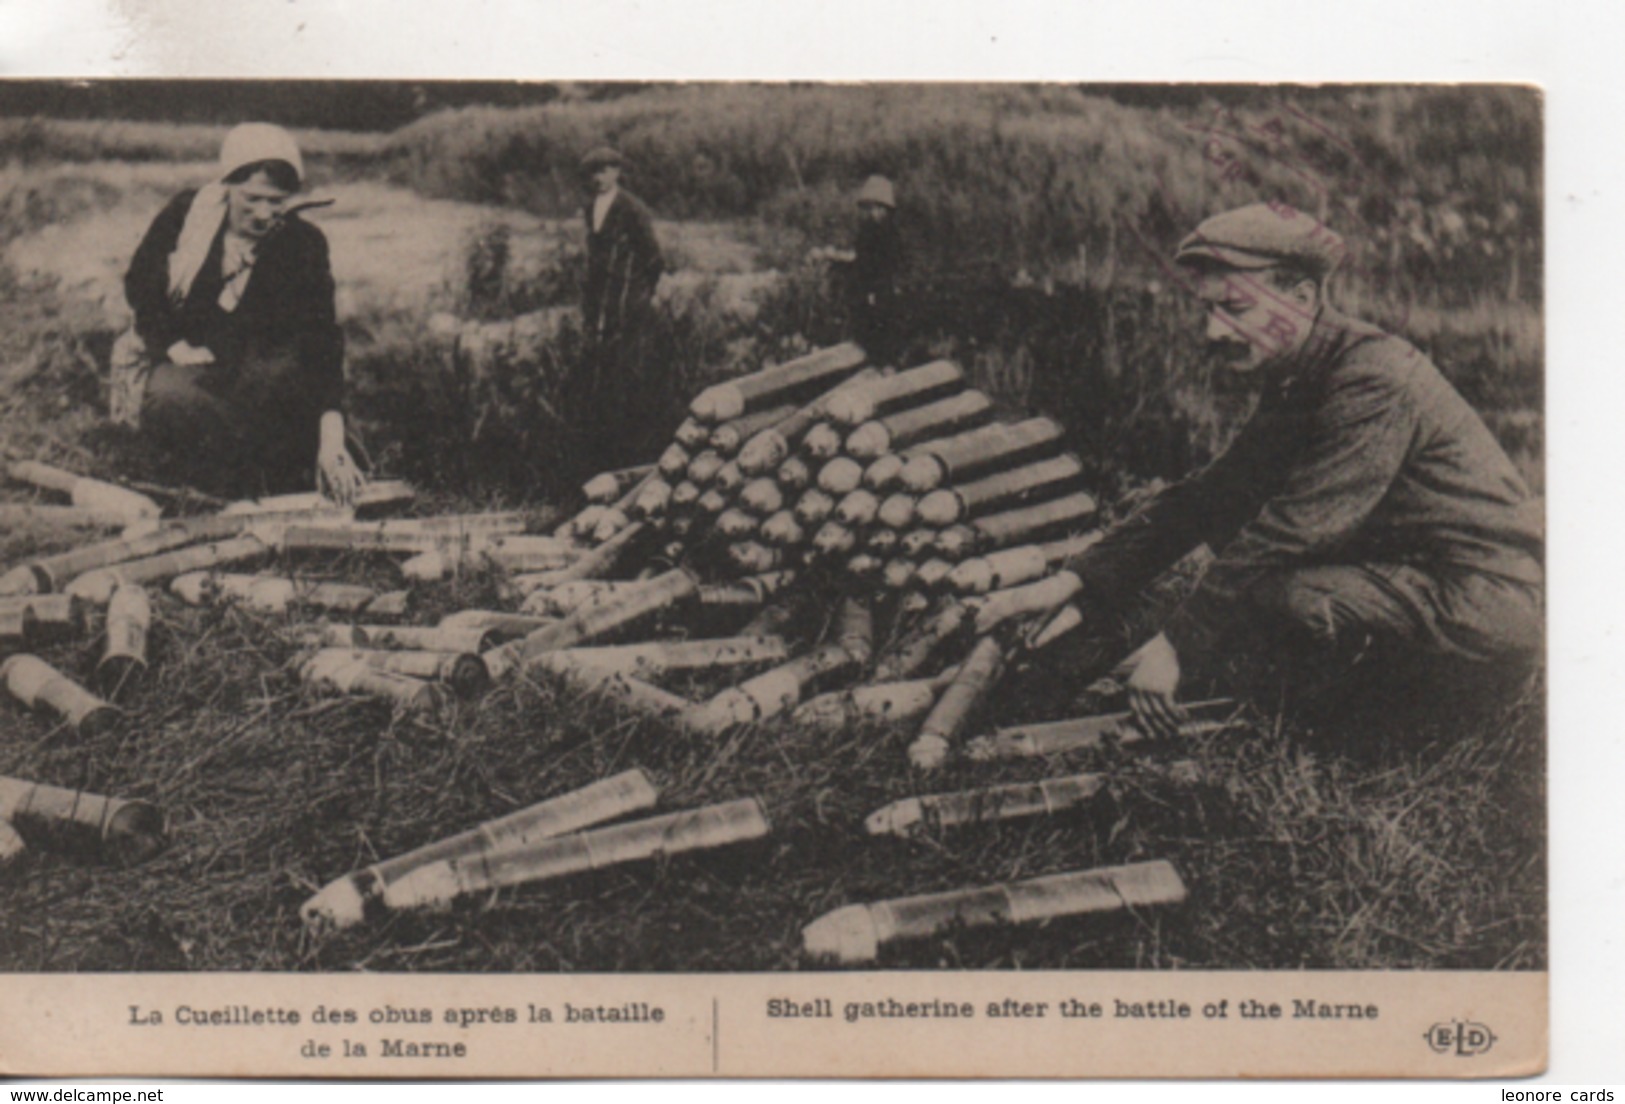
(1017, 526)
(129, 618)
(344, 902)
(822, 442)
(932, 574)
(752, 590)
(914, 651)
(814, 506)
(684, 494)
(1086, 733)
(38, 685)
(1005, 488)
(428, 567)
(729, 478)
(613, 522)
(794, 474)
(858, 508)
(270, 594)
(854, 934)
(52, 572)
(645, 600)
(653, 499)
(898, 574)
(840, 476)
(783, 529)
(712, 501)
(417, 638)
(566, 598)
(977, 676)
(734, 524)
(32, 619)
(770, 447)
(374, 496)
(663, 657)
(873, 704)
(438, 884)
(762, 497)
(606, 487)
(1042, 597)
(753, 557)
(92, 494)
(339, 596)
(881, 540)
(834, 539)
(995, 447)
(917, 385)
(1010, 567)
(98, 586)
(956, 541)
(726, 401)
(602, 559)
(673, 463)
(492, 624)
(730, 437)
(338, 672)
(767, 695)
(897, 511)
(464, 672)
(917, 543)
(704, 467)
(110, 828)
(525, 552)
(15, 515)
(982, 806)
(873, 439)
(11, 844)
(864, 566)
(586, 523)
(884, 474)
(692, 434)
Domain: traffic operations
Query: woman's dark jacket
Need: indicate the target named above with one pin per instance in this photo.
(286, 312)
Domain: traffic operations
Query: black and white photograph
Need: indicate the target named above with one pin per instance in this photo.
(460, 527)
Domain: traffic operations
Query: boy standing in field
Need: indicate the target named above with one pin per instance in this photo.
(618, 402)
(871, 270)
(1364, 521)
(623, 258)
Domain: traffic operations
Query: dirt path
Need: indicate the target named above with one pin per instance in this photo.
(392, 249)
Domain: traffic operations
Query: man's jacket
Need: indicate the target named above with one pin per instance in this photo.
(1359, 452)
(623, 265)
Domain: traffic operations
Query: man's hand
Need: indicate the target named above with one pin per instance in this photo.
(336, 470)
(188, 355)
(1151, 674)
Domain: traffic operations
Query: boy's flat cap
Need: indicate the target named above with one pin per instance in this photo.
(600, 156)
(1263, 235)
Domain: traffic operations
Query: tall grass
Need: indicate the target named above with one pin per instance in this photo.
(1040, 178)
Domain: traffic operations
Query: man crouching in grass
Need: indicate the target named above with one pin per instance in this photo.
(1370, 536)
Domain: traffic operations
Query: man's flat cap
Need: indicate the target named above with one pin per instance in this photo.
(601, 156)
(1263, 235)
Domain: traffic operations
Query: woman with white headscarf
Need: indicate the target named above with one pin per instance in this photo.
(236, 358)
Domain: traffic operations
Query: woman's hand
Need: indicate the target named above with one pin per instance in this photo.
(188, 355)
(336, 471)
(1151, 674)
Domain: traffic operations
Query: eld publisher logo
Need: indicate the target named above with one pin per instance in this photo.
(1462, 1038)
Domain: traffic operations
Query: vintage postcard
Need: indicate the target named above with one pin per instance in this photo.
(601, 579)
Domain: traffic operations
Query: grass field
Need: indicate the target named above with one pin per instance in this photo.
(1380, 846)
